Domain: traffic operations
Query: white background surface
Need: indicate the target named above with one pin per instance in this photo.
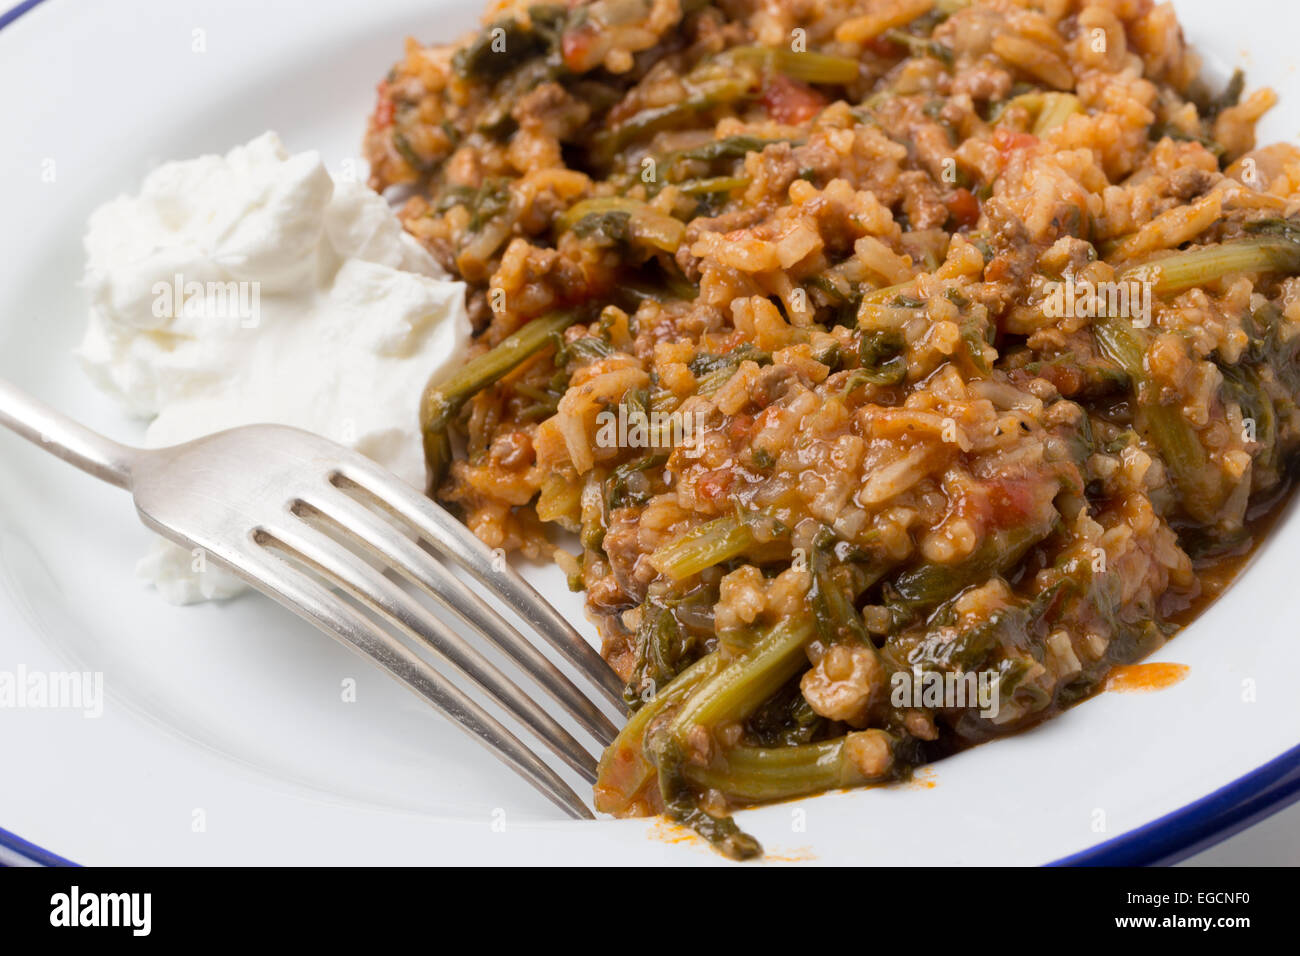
(234, 710)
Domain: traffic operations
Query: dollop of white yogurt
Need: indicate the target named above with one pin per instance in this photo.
(254, 287)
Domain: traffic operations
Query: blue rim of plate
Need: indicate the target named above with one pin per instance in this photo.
(9, 16)
(1165, 840)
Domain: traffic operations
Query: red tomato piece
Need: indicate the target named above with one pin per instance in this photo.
(789, 101)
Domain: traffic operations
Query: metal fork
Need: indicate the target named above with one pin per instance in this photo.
(303, 520)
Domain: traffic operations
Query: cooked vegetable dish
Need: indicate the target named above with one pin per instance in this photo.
(897, 367)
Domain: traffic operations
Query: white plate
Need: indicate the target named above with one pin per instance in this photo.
(233, 715)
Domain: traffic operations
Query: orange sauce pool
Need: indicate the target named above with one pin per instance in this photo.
(1139, 678)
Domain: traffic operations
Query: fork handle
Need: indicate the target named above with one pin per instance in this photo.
(61, 436)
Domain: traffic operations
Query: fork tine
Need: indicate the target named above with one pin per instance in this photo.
(287, 585)
(422, 568)
(453, 540)
(350, 572)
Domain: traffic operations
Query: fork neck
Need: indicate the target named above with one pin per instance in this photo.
(61, 436)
